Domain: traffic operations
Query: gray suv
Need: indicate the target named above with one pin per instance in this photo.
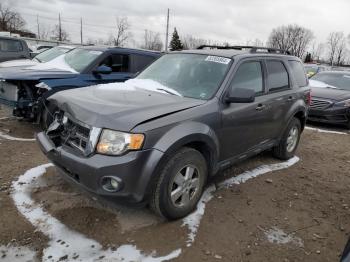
(12, 48)
(156, 139)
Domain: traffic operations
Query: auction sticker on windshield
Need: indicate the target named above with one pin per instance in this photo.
(218, 59)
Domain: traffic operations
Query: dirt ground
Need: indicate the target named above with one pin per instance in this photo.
(309, 200)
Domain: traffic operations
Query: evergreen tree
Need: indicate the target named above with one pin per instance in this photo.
(308, 58)
(175, 43)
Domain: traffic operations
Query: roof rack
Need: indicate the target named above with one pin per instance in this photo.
(253, 49)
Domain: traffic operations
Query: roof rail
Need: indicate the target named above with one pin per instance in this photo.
(253, 49)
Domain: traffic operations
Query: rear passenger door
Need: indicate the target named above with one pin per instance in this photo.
(140, 62)
(280, 93)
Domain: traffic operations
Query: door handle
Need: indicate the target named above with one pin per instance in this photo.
(291, 98)
(260, 107)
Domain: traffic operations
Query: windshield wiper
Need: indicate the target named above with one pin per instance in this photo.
(167, 91)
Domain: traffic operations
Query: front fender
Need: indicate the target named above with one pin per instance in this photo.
(187, 133)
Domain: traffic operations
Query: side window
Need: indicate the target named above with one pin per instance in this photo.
(118, 62)
(7, 45)
(299, 73)
(249, 76)
(140, 62)
(278, 76)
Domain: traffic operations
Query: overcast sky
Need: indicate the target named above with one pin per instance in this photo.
(233, 21)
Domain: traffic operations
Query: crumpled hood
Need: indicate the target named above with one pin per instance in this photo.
(55, 68)
(322, 90)
(121, 106)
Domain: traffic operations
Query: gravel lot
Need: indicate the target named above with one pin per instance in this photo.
(299, 213)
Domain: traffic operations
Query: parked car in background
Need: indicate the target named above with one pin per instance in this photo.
(331, 98)
(313, 69)
(157, 139)
(12, 48)
(42, 57)
(26, 89)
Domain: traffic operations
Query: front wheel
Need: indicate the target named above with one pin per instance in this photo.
(289, 142)
(180, 184)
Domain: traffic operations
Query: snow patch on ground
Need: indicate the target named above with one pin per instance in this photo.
(16, 254)
(244, 177)
(278, 236)
(8, 137)
(66, 244)
(193, 220)
(325, 131)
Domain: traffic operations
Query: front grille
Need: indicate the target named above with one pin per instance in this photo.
(75, 135)
(319, 104)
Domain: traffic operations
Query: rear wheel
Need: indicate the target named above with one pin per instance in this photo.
(289, 142)
(180, 184)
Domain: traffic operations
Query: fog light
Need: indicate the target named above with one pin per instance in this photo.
(114, 183)
(110, 184)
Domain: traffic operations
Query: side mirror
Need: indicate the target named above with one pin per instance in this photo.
(240, 95)
(103, 70)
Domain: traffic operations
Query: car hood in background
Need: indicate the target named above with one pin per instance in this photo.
(323, 90)
(56, 68)
(19, 62)
(121, 106)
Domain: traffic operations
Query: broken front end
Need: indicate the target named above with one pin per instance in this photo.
(25, 97)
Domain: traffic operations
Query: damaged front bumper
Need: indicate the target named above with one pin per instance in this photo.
(134, 170)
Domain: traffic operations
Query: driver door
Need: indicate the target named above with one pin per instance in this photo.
(245, 125)
(121, 69)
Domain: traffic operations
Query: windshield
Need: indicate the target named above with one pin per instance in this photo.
(338, 80)
(190, 75)
(79, 59)
(50, 54)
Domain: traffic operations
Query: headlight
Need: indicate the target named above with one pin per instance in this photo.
(116, 143)
(43, 85)
(345, 103)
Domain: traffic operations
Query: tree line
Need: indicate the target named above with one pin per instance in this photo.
(296, 39)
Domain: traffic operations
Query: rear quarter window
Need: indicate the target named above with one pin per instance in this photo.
(277, 76)
(298, 72)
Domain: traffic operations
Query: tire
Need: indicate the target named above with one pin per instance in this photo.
(285, 150)
(172, 180)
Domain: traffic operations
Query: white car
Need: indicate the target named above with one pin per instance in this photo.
(42, 57)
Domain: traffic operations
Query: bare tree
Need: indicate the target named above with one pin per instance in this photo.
(10, 20)
(256, 42)
(293, 38)
(122, 33)
(336, 44)
(191, 42)
(152, 41)
(317, 51)
(60, 35)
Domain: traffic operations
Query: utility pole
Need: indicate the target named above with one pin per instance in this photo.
(59, 28)
(167, 31)
(37, 21)
(81, 30)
